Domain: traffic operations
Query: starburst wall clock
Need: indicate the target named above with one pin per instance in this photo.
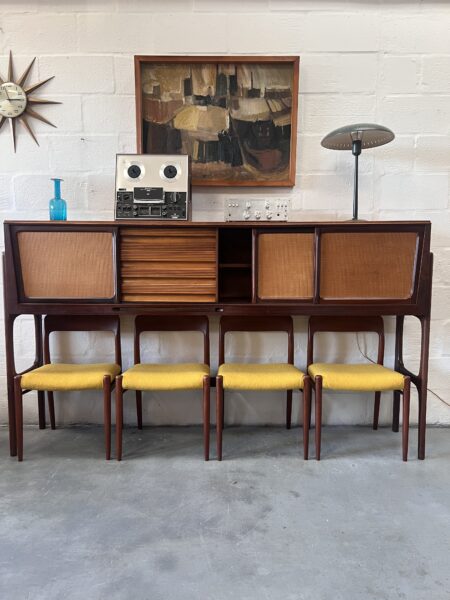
(16, 104)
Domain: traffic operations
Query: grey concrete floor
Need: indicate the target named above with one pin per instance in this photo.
(263, 524)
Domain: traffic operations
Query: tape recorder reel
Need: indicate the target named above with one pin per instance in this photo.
(152, 186)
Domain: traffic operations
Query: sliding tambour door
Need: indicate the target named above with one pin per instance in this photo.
(368, 266)
(168, 264)
(285, 266)
(54, 263)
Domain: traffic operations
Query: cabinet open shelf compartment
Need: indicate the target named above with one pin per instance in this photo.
(235, 264)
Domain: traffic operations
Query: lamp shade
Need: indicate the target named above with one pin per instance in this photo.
(369, 134)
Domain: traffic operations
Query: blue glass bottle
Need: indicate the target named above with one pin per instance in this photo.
(58, 206)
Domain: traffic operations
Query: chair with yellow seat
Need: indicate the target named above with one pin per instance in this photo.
(52, 377)
(264, 377)
(368, 377)
(165, 377)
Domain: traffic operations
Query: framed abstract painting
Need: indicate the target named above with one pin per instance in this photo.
(236, 116)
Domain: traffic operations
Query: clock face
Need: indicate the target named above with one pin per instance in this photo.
(17, 99)
(13, 100)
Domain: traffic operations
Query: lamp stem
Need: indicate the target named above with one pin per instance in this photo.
(355, 191)
(356, 150)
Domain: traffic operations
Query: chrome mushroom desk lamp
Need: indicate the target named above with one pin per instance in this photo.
(355, 138)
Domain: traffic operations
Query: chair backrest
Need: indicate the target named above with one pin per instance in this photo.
(171, 323)
(82, 323)
(270, 323)
(345, 325)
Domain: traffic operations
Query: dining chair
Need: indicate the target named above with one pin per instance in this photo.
(64, 377)
(366, 377)
(260, 377)
(165, 377)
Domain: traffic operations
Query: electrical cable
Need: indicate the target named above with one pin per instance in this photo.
(372, 361)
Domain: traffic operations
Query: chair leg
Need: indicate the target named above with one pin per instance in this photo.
(41, 409)
(288, 409)
(318, 399)
(19, 416)
(219, 415)
(139, 408)
(309, 420)
(206, 415)
(119, 417)
(223, 409)
(107, 414)
(405, 424)
(376, 410)
(51, 409)
(396, 411)
(306, 415)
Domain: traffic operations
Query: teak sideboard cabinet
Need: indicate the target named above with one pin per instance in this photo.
(357, 268)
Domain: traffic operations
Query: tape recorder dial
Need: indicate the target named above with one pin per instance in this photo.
(152, 186)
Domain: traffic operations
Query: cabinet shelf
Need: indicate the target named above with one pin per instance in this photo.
(235, 266)
(236, 300)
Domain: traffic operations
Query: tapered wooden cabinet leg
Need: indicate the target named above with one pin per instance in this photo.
(422, 396)
(41, 409)
(12, 416)
(10, 373)
(405, 423)
(119, 417)
(288, 409)
(376, 410)
(107, 414)
(51, 409)
(219, 415)
(139, 408)
(19, 416)
(318, 401)
(206, 415)
(422, 386)
(306, 415)
(396, 411)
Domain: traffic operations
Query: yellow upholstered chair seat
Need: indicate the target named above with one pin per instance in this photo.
(261, 377)
(60, 377)
(357, 378)
(183, 376)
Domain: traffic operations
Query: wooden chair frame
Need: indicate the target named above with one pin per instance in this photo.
(158, 323)
(261, 324)
(57, 323)
(374, 324)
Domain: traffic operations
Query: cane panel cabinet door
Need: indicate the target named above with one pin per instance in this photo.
(168, 264)
(368, 266)
(285, 266)
(64, 265)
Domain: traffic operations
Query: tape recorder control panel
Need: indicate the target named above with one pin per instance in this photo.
(152, 186)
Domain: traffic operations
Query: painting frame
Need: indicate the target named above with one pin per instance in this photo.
(288, 180)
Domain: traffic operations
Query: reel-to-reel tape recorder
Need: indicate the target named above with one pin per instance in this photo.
(152, 186)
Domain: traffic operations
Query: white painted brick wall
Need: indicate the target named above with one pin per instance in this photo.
(381, 61)
(435, 74)
(91, 76)
(407, 113)
(398, 74)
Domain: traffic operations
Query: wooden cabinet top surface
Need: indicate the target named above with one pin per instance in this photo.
(262, 224)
